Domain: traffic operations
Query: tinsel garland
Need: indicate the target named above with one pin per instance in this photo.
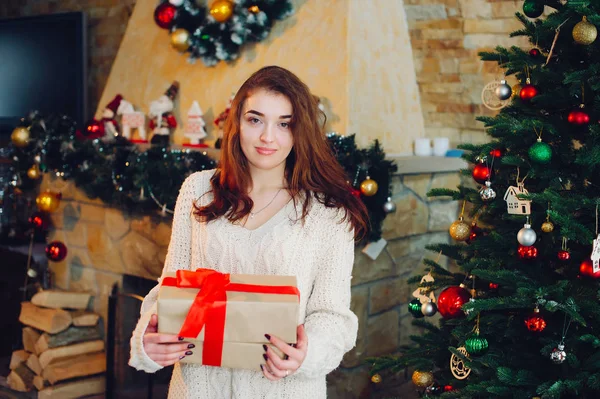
(142, 182)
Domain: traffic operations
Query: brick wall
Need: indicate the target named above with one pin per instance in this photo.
(107, 20)
(446, 36)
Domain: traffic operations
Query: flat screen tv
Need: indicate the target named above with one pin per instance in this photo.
(42, 67)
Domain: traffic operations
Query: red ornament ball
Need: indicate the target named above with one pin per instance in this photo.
(534, 52)
(530, 252)
(587, 269)
(535, 322)
(578, 117)
(497, 153)
(448, 388)
(94, 129)
(481, 173)
(494, 286)
(56, 251)
(528, 92)
(451, 300)
(164, 15)
(563, 255)
(39, 221)
(475, 232)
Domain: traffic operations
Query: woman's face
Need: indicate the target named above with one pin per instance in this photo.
(265, 134)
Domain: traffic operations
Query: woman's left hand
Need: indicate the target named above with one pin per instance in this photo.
(277, 368)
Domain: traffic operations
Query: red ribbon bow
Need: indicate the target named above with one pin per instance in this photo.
(209, 307)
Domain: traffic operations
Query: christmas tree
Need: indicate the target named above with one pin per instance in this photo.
(520, 316)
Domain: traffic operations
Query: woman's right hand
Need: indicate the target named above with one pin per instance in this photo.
(164, 349)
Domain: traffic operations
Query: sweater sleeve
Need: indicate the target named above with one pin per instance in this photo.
(178, 257)
(330, 325)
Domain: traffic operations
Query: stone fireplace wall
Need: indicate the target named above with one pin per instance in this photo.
(104, 244)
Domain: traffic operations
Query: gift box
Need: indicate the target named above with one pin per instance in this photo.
(226, 316)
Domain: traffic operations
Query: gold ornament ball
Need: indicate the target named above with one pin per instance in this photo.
(20, 137)
(422, 378)
(34, 172)
(221, 10)
(585, 32)
(516, 90)
(460, 230)
(369, 187)
(47, 201)
(180, 39)
(547, 227)
(254, 9)
(376, 378)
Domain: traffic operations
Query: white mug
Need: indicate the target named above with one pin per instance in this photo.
(441, 145)
(423, 147)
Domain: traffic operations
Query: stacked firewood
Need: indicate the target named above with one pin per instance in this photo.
(63, 347)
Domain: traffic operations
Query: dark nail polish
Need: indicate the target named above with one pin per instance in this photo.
(180, 338)
(190, 346)
(265, 357)
(189, 353)
(268, 336)
(265, 347)
(181, 357)
(261, 366)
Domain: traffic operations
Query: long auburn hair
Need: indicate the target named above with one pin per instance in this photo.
(311, 169)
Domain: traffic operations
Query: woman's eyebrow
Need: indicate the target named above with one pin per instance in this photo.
(251, 111)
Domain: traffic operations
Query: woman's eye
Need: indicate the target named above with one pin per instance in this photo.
(254, 121)
(285, 125)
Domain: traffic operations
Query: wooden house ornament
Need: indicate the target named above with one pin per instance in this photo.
(517, 206)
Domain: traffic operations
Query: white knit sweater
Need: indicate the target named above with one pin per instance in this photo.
(320, 253)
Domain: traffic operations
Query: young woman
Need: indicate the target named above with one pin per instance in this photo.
(278, 203)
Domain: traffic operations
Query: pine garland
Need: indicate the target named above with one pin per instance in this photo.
(144, 182)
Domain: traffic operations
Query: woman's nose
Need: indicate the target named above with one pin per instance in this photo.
(268, 135)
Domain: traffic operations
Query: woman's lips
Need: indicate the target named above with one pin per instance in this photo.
(265, 151)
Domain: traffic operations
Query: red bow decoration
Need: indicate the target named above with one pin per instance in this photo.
(209, 307)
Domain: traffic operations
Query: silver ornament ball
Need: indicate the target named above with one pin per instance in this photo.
(389, 206)
(487, 193)
(558, 354)
(526, 236)
(504, 91)
(32, 273)
(429, 309)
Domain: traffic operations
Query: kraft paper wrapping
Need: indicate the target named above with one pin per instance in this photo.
(249, 316)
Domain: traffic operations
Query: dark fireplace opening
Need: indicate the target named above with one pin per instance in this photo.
(124, 381)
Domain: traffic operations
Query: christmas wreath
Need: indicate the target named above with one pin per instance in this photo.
(219, 34)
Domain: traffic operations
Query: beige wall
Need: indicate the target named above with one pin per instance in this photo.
(383, 95)
(368, 89)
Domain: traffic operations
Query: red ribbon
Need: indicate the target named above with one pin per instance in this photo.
(209, 307)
